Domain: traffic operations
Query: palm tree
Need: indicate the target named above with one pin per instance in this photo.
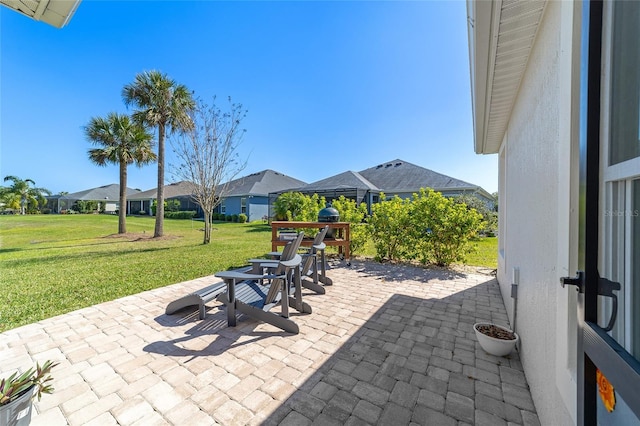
(121, 142)
(21, 194)
(161, 103)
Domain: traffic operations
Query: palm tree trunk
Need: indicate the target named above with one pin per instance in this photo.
(159, 229)
(122, 211)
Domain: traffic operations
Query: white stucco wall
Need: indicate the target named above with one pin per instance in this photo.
(535, 229)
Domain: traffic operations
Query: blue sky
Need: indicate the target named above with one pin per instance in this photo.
(330, 86)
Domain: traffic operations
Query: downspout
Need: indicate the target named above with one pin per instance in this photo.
(515, 280)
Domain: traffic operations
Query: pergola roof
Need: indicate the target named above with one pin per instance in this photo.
(54, 12)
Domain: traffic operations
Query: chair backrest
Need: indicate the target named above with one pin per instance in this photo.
(288, 253)
(319, 237)
(292, 247)
(308, 260)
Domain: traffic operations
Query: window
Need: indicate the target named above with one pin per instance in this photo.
(243, 205)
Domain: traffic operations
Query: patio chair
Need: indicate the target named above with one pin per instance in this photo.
(256, 292)
(200, 297)
(310, 263)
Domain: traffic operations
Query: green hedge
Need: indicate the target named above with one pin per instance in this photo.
(188, 214)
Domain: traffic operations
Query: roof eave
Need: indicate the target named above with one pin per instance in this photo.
(56, 13)
(501, 34)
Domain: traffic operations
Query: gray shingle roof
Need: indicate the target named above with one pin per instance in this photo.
(402, 176)
(101, 193)
(345, 180)
(262, 183)
(176, 189)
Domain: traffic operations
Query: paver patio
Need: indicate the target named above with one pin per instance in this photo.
(386, 345)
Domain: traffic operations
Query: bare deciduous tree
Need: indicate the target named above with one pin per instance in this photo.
(208, 155)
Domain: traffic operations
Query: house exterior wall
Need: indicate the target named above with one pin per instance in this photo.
(257, 208)
(536, 182)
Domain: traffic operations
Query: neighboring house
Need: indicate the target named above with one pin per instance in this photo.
(107, 194)
(141, 202)
(248, 195)
(349, 184)
(397, 177)
(555, 88)
(401, 178)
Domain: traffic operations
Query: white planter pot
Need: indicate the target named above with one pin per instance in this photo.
(492, 345)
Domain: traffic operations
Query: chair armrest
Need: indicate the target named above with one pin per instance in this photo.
(226, 275)
(297, 259)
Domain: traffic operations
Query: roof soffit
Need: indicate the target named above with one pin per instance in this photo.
(54, 12)
(502, 34)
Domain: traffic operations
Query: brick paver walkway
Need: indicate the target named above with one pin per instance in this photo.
(387, 345)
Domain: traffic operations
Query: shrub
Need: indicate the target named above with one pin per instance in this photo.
(295, 206)
(46, 210)
(234, 218)
(185, 214)
(440, 228)
(83, 206)
(228, 218)
(489, 216)
(242, 218)
(172, 205)
(288, 206)
(428, 226)
(389, 224)
(355, 215)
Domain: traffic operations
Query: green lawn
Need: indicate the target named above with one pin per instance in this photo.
(53, 264)
(486, 253)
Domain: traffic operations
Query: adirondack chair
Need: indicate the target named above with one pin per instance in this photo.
(310, 262)
(256, 292)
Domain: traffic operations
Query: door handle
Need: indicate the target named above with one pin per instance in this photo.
(578, 281)
(606, 288)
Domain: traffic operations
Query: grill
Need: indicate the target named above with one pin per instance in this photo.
(327, 215)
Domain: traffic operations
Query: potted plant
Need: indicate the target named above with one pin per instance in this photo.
(18, 391)
(495, 339)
